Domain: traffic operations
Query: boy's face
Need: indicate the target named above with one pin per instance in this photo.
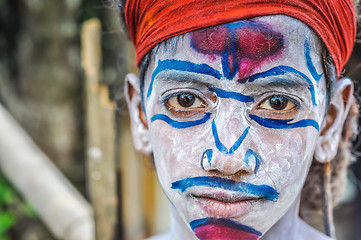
(233, 115)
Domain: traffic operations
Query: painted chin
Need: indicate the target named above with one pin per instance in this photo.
(222, 229)
(214, 232)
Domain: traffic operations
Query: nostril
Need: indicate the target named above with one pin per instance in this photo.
(241, 173)
(226, 164)
(206, 161)
(254, 158)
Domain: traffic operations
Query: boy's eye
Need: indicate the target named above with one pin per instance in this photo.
(185, 101)
(278, 103)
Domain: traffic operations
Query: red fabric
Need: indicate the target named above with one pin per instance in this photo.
(152, 21)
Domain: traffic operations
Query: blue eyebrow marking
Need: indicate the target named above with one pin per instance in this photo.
(284, 124)
(258, 159)
(310, 65)
(263, 191)
(220, 145)
(233, 95)
(223, 222)
(181, 125)
(281, 70)
(185, 66)
(208, 154)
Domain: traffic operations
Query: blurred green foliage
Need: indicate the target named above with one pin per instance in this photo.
(11, 208)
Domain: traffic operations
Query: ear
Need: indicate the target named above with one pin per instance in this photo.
(332, 126)
(138, 119)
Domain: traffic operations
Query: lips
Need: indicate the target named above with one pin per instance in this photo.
(222, 203)
(222, 197)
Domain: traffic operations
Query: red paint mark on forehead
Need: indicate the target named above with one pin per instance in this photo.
(210, 40)
(242, 45)
(254, 44)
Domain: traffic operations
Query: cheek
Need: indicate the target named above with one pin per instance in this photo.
(288, 155)
(178, 152)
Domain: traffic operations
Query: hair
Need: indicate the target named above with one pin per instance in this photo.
(312, 193)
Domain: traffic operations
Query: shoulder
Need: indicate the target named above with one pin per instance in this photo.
(308, 232)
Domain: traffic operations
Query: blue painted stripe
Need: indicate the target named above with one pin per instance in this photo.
(233, 95)
(281, 70)
(227, 72)
(263, 191)
(233, 26)
(208, 154)
(284, 124)
(239, 141)
(258, 159)
(220, 145)
(310, 65)
(223, 222)
(217, 141)
(184, 66)
(181, 125)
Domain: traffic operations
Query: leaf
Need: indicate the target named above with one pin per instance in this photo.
(7, 194)
(7, 220)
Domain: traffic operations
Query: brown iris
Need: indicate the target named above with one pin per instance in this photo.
(186, 100)
(278, 102)
(277, 107)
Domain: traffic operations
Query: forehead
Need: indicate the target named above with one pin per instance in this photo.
(244, 47)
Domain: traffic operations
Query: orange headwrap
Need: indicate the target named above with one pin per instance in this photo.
(152, 21)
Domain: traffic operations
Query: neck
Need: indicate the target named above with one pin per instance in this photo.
(179, 229)
(289, 227)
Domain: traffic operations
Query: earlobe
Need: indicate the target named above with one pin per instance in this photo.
(139, 126)
(332, 126)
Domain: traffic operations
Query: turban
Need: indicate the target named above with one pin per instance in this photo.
(149, 22)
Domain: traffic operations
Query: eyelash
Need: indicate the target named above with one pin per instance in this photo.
(274, 113)
(202, 104)
(185, 111)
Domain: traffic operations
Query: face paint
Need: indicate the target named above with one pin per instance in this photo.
(242, 45)
(220, 145)
(233, 124)
(213, 228)
(284, 124)
(182, 66)
(233, 95)
(251, 155)
(261, 191)
(310, 65)
(282, 70)
(180, 125)
(207, 156)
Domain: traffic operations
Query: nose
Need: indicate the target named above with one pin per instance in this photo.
(229, 164)
(228, 155)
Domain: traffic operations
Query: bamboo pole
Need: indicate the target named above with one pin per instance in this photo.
(100, 135)
(134, 225)
(63, 210)
(145, 209)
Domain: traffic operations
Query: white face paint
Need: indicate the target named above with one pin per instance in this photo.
(234, 116)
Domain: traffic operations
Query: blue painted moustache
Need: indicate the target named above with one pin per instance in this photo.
(263, 191)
